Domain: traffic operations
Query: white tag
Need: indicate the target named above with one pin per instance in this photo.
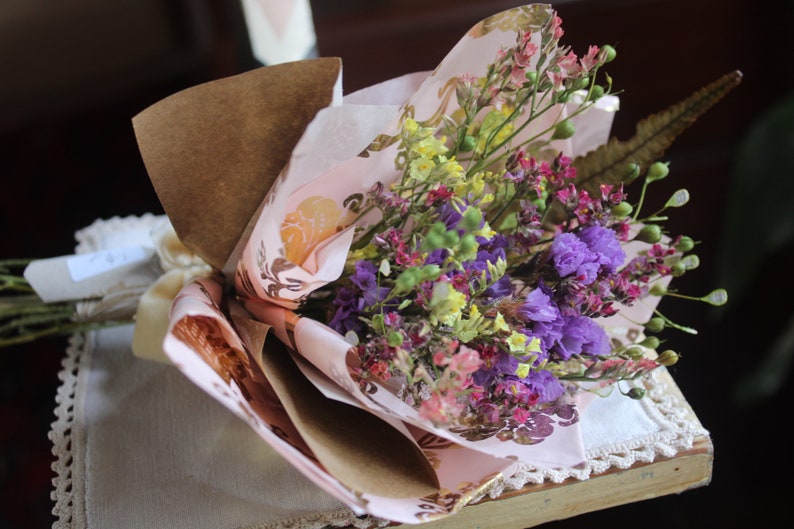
(84, 266)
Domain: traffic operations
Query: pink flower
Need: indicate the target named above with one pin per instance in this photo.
(440, 358)
(440, 409)
(591, 59)
(556, 27)
(466, 361)
(569, 65)
(521, 415)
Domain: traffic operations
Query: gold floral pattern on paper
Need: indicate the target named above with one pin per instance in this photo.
(203, 335)
(527, 18)
(313, 221)
(446, 501)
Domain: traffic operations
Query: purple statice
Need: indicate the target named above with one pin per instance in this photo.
(542, 318)
(573, 258)
(544, 384)
(604, 244)
(449, 216)
(349, 306)
(588, 254)
(365, 277)
(582, 336)
(496, 366)
(490, 251)
(538, 307)
(353, 301)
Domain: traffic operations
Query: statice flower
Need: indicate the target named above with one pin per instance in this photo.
(573, 258)
(582, 336)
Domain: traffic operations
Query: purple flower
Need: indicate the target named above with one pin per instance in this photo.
(365, 278)
(545, 384)
(571, 256)
(487, 252)
(582, 336)
(504, 365)
(449, 216)
(348, 308)
(537, 307)
(604, 244)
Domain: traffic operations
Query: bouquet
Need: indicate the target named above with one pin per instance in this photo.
(415, 289)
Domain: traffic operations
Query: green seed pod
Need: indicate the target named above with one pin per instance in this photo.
(657, 290)
(667, 358)
(655, 324)
(632, 172)
(609, 53)
(651, 342)
(430, 272)
(685, 244)
(650, 233)
(597, 92)
(377, 323)
(636, 393)
(565, 129)
(472, 218)
(451, 238)
(622, 210)
(433, 241)
(635, 353)
(678, 269)
(469, 245)
(394, 339)
(468, 143)
(407, 280)
(657, 171)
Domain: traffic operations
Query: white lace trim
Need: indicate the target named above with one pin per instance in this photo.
(68, 487)
(678, 430)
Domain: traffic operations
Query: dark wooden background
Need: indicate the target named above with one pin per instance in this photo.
(68, 157)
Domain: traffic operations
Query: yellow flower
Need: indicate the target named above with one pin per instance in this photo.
(446, 304)
(429, 147)
(522, 370)
(534, 345)
(485, 231)
(474, 186)
(421, 168)
(450, 167)
(517, 342)
(499, 323)
(370, 251)
(410, 126)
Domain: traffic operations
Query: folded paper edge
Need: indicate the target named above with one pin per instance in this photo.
(212, 151)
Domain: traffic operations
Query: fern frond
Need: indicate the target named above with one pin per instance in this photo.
(654, 135)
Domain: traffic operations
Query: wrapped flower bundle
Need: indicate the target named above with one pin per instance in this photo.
(415, 289)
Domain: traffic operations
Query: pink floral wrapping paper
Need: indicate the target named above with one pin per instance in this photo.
(343, 152)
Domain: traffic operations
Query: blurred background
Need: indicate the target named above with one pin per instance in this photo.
(73, 74)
